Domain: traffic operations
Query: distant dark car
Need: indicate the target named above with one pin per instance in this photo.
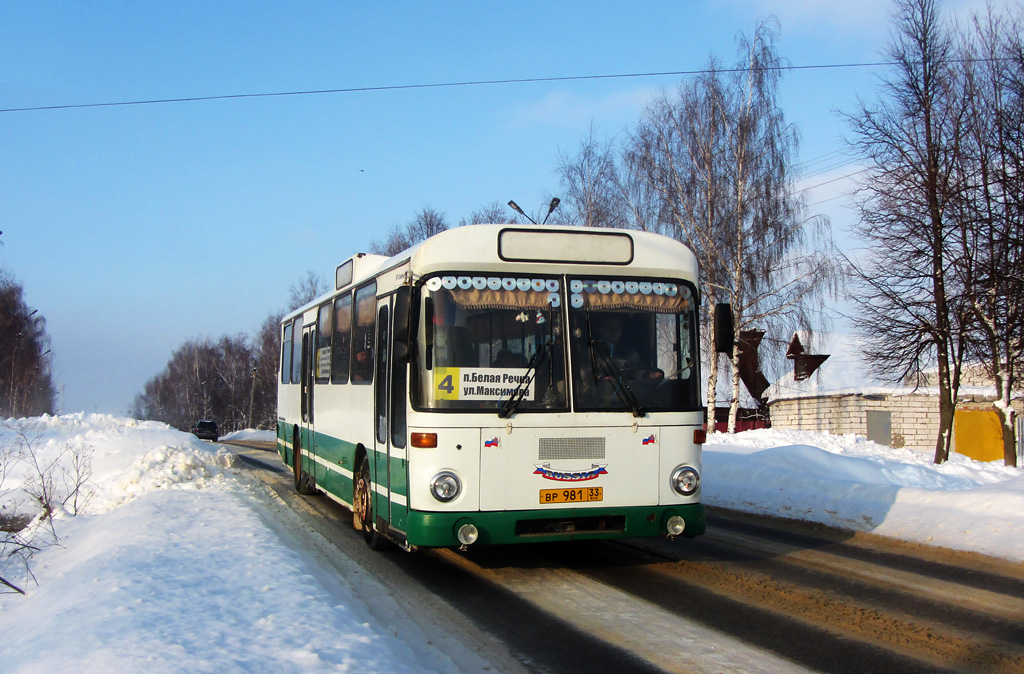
(205, 430)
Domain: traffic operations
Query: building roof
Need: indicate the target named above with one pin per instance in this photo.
(846, 373)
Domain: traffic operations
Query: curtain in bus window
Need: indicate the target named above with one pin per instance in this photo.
(297, 350)
(286, 355)
(633, 345)
(662, 297)
(487, 339)
(342, 337)
(324, 331)
(362, 334)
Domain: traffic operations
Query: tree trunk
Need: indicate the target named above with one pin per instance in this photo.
(734, 403)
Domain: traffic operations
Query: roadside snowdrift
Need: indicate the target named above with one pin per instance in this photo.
(169, 564)
(848, 482)
(170, 568)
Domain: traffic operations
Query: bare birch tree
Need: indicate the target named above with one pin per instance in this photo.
(991, 221)
(492, 213)
(712, 165)
(721, 154)
(424, 225)
(777, 262)
(913, 139)
(232, 381)
(589, 182)
(680, 147)
(266, 350)
(26, 386)
(307, 289)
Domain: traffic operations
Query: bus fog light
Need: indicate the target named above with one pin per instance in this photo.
(685, 480)
(468, 534)
(445, 486)
(675, 525)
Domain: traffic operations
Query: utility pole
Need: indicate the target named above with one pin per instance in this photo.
(252, 392)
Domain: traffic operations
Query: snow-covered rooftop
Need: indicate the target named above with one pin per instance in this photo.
(845, 372)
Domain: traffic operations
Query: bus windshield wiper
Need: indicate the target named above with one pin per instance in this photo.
(509, 406)
(612, 370)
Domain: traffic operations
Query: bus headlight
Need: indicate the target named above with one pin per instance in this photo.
(675, 525)
(445, 486)
(468, 534)
(685, 480)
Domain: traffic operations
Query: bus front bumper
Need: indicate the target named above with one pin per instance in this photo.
(433, 529)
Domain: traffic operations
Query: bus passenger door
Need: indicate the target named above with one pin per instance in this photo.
(389, 409)
(381, 501)
(306, 382)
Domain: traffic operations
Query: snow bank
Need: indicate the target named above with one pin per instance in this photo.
(121, 459)
(251, 435)
(170, 567)
(849, 482)
(187, 583)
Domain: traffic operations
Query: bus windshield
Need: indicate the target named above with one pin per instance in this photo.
(486, 340)
(497, 344)
(634, 345)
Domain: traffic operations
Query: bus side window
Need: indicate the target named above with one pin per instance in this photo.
(324, 333)
(342, 339)
(297, 350)
(363, 334)
(286, 355)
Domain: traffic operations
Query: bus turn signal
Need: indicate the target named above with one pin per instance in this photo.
(424, 440)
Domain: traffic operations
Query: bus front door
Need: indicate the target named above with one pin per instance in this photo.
(391, 502)
(306, 403)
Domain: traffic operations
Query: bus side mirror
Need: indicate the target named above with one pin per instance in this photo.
(400, 350)
(723, 328)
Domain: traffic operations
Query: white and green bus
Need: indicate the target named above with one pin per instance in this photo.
(502, 384)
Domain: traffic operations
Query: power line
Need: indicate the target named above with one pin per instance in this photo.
(469, 83)
(837, 179)
(437, 85)
(829, 158)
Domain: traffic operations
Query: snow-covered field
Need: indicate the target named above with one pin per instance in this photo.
(172, 564)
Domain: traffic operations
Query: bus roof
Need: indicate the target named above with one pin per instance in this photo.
(557, 249)
(533, 248)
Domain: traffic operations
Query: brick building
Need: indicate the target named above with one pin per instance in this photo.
(841, 397)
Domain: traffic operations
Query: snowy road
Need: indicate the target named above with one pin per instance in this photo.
(753, 595)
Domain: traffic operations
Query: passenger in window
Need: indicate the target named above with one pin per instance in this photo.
(610, 340)
(509, 358)
(362, 366)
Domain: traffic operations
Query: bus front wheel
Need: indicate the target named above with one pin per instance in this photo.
(362, 508)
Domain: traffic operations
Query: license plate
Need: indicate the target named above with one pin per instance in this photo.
(574, 495)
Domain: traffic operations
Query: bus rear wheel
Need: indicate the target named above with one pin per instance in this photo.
(362, 508)
(303, 482)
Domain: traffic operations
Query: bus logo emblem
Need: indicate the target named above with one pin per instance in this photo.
(493, 442)
(544, 470)
(650, 440)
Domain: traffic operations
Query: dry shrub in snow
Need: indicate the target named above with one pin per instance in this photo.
(37, 481)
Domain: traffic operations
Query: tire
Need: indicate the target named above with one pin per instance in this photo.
(362, 508)
(304, 483)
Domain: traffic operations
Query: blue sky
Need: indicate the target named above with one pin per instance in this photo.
(133, 228)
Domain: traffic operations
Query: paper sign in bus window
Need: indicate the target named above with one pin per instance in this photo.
(481, 383)
(323, 363)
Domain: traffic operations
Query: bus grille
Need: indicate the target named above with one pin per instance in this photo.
(602, 524)
(553, 449)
